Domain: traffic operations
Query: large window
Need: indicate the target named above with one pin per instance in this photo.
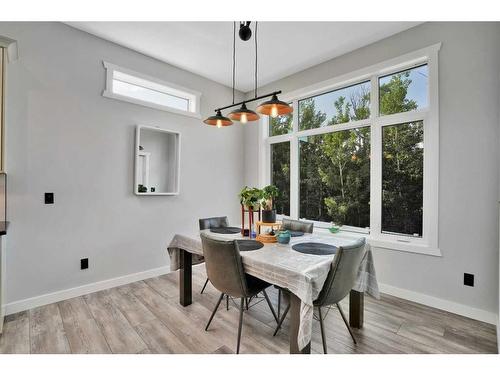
(364, 154)
(134, 87)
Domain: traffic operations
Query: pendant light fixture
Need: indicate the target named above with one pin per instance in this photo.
(243, 114)
(218, 120)
(273, 107)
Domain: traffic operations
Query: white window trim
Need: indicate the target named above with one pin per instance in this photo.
(428, 243)
(194, 97)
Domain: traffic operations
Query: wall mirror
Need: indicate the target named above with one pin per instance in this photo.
(157, 161)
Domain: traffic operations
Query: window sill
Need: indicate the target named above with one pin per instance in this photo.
(387, 244)
(407, 247)
(112, 95)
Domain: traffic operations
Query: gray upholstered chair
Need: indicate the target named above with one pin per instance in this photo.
(295, 225)
(212, 222)
(226, 273)
(338, 284)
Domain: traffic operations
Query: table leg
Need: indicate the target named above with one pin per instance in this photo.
(356, 309)
(185, 278)
(294, 326)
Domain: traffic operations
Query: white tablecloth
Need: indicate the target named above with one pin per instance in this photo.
(302, 274)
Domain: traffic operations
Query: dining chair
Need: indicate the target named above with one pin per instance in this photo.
(297, 225)
(294, 225)
(339, 282)
(226, 273)
(212, 222)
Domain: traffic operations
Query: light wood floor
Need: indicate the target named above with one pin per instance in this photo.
(145, 317)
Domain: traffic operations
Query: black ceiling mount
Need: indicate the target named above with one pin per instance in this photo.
(245, 32)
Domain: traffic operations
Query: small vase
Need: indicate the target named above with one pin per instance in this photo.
(283, 237)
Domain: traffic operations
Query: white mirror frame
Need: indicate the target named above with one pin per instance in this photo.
(177, 161)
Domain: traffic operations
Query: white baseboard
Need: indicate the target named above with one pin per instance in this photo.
(442, 304)
(29, 303)
(45, 299)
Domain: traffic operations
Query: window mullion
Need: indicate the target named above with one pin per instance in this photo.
(374, 99)
(294, 163)
(375, 160)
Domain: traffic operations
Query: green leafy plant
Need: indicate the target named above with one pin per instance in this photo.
(269, 194)
(250, 197)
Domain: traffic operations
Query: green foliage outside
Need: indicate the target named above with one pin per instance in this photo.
(335, 167)
(280, 175)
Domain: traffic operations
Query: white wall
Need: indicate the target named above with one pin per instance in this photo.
(64, 137)
(469, 62)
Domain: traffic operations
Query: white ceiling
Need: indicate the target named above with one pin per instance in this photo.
(205, 48)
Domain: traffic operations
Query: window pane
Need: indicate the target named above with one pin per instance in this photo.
(336, 107)
(335, 177)
(280, 125)
(404, 91)
(280, 175)
(402, 178)
(149, 95)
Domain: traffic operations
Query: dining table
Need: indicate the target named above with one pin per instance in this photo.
(303, 275)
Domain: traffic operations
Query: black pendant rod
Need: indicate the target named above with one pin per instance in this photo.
(248, 101)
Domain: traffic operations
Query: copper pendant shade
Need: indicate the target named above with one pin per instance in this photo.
(243, 114)
(218, 120)
(274, 107)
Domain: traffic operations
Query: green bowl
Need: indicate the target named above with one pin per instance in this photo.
(334, 229)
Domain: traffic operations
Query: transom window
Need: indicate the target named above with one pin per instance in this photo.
(133, 87)
(335, 107)
(363, 154)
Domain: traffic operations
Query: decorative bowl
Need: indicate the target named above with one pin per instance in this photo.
(334, 229)
(283, 237)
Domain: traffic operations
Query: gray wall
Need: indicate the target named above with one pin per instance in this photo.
(64, 137)
(469, 86)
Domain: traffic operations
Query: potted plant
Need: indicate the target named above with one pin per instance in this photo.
(250, 198)
(269, 194)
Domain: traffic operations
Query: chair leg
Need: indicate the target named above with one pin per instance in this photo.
(239, 326)
(215, 310)
(246, 303)
(204, 286)
(346, 323)
(270, 305)
(322, 331)
(279, 302)
(282, 320)
(227, 302)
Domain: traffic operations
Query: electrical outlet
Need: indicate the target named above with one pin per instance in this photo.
(49, 198)
(468, 279)
(84, 263)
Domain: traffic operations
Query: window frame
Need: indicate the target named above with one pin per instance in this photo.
(193, 97)
(428, 243)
